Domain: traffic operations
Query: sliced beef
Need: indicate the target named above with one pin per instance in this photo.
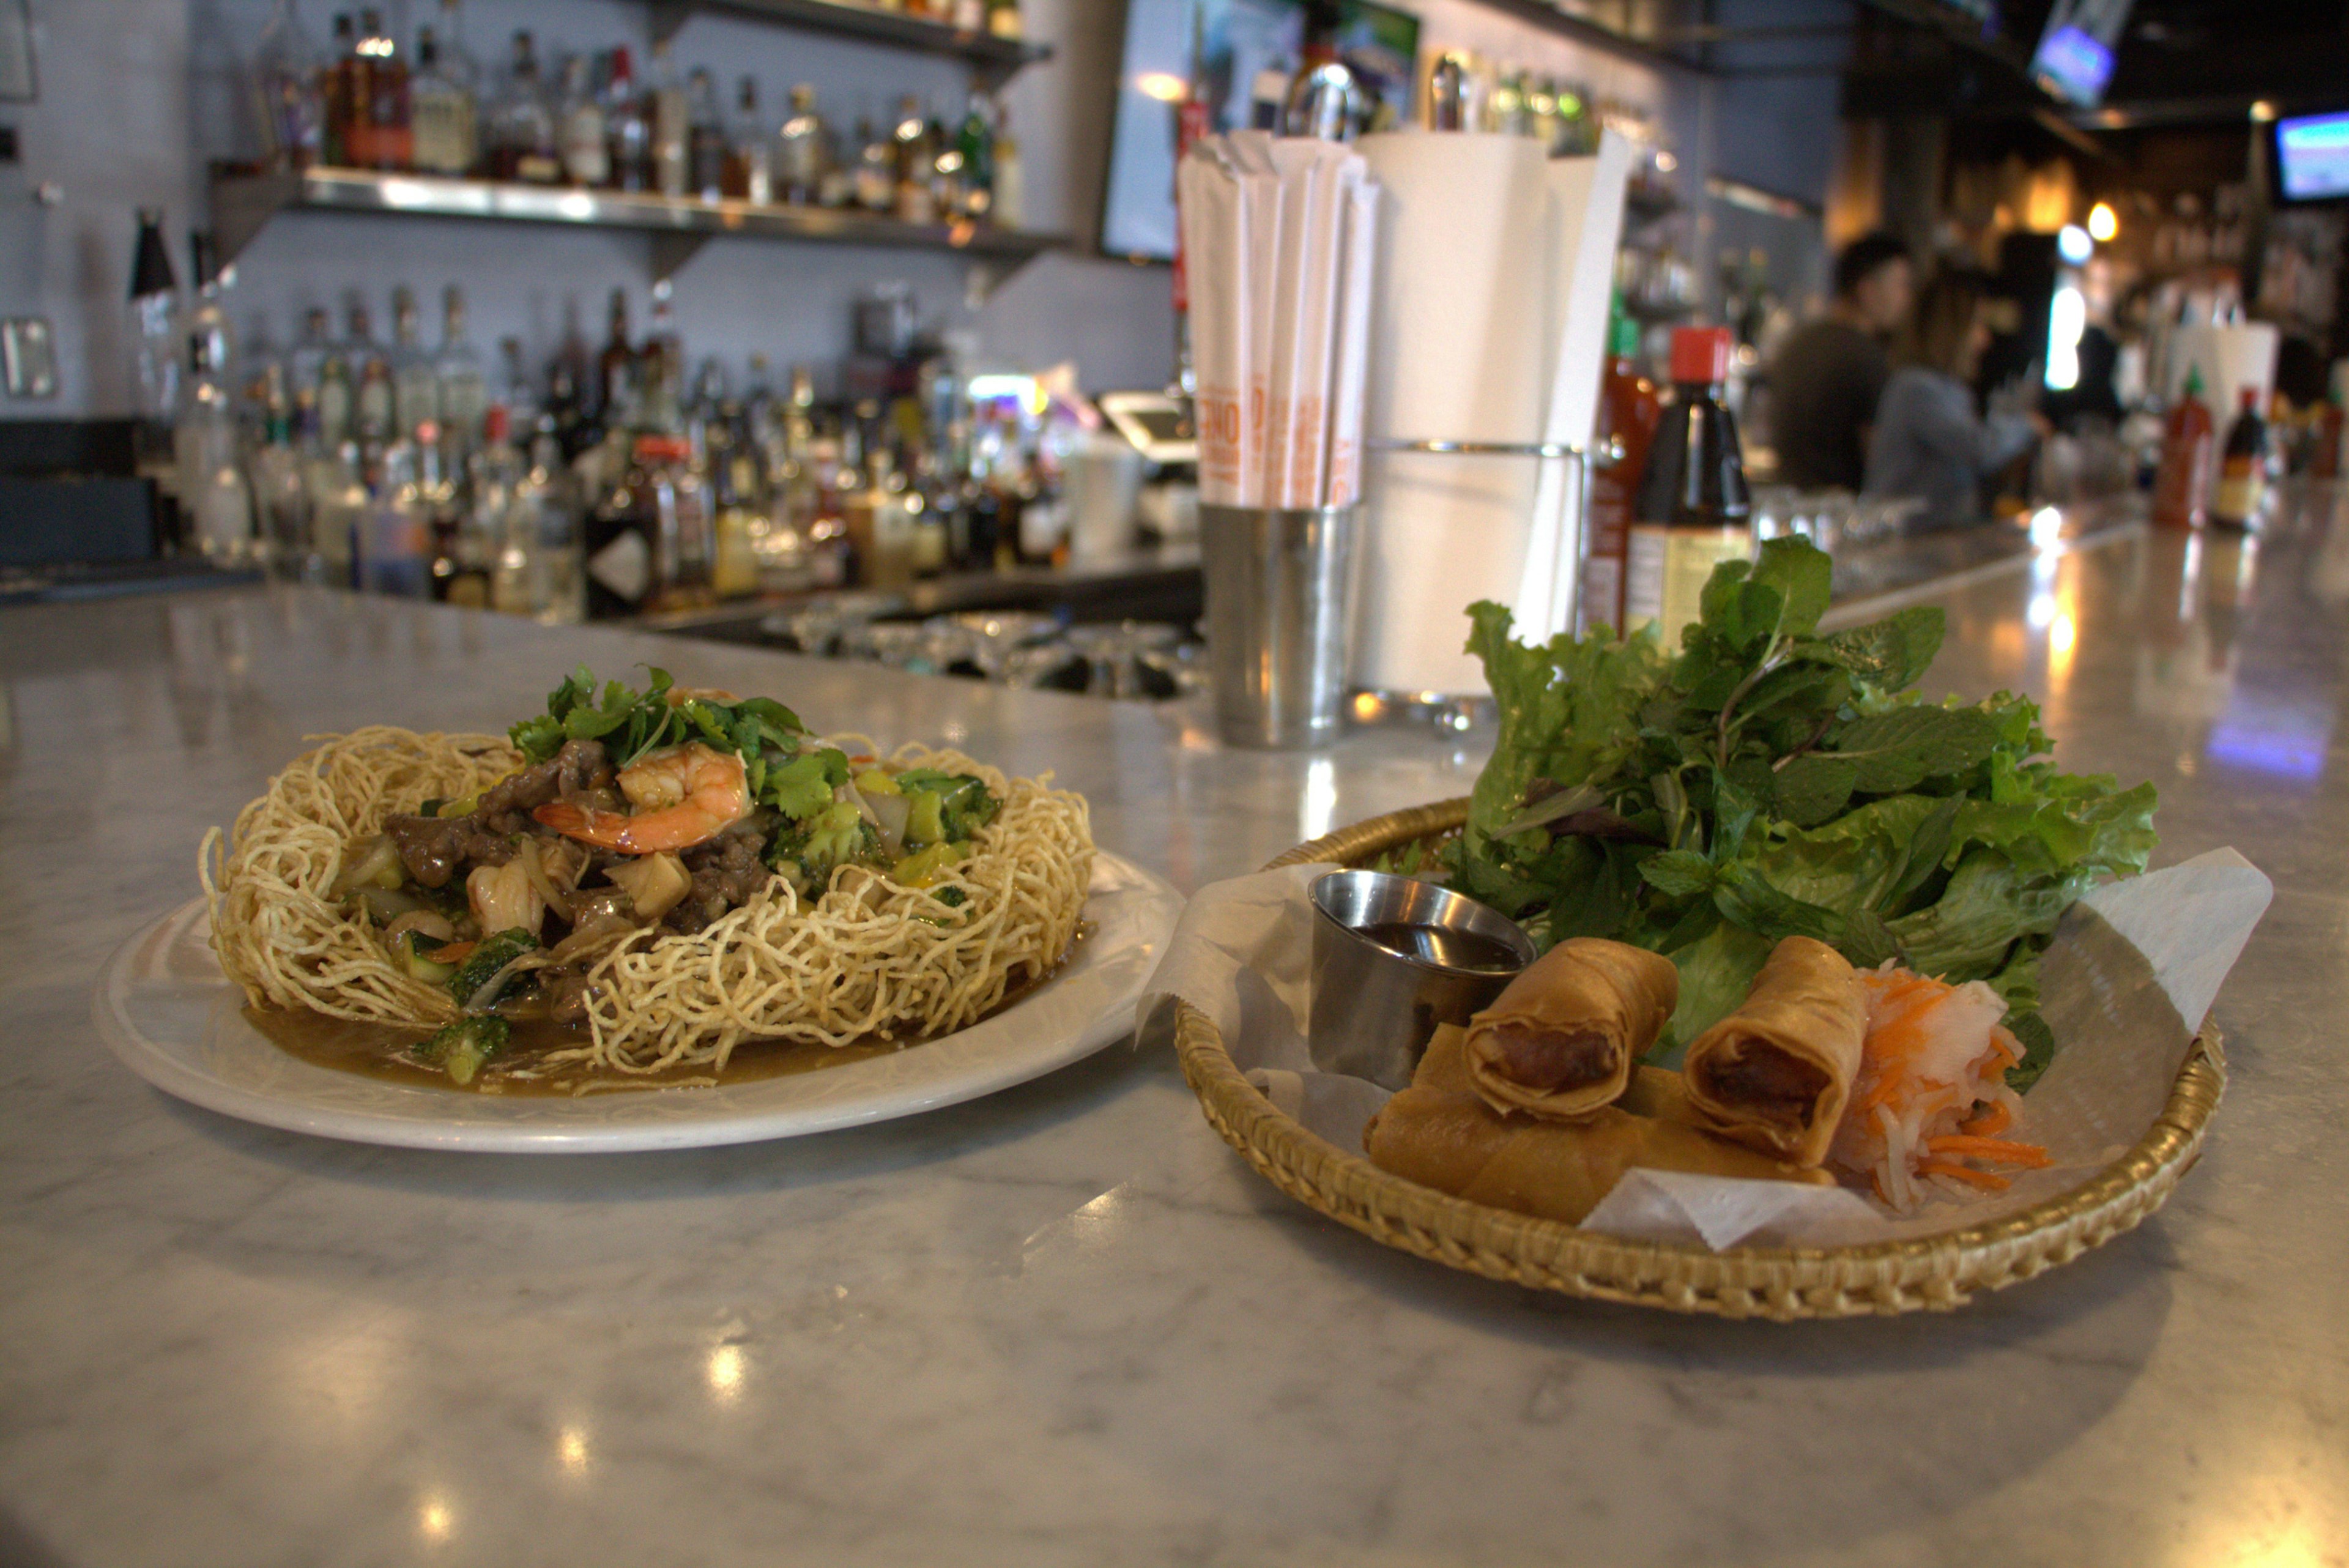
(727, 872)
(435, 848)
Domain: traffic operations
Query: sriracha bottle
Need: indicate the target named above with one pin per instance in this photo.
(2181, 486)
(1628, 409)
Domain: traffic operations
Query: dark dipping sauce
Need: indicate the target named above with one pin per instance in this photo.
(1453, 948)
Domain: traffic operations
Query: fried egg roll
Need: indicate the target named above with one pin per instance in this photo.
(1775, 1074)
(1562, 1039)
(1440, 1135)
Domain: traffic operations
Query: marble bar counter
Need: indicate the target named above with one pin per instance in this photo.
(1065, 1325)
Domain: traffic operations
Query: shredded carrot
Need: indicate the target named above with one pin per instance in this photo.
(2000, 1149)
(1991, 1123)
(2005, 1047)
(1984, 1179)
(455, 952)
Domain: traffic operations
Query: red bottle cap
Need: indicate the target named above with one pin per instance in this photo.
(2251, 398)
(1701, 355)
(496, 423)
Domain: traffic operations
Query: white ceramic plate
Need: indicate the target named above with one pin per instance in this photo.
(166, 1009)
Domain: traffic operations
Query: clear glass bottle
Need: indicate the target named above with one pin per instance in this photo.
(394, 531)
(444, 120)
(306, 362)
(463, 387)
(415, 382)
(914, 157)
(155, 321)
(375, 404)
(337, 396)
(587, 154)
(212, 492)
(705, 139)
(660, 367)
(627, 129)
(751, 160)
(286, 74)
(521, 128)
(1008, 207)
(671, 126)
(876, 170)
(338, 500)
(283, 500)
(800, 148)
(212, 348)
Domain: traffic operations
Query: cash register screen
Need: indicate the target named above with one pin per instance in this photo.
(1237, 41)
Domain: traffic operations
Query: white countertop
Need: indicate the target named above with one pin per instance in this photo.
(1066, 1324)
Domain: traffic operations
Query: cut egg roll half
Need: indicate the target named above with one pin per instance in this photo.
(1775, 1074)
(1561, 1041)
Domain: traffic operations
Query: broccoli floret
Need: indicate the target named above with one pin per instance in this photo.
(964, 804)
(814, 849)
(951, 896)
(460, 1048)
(489, 955)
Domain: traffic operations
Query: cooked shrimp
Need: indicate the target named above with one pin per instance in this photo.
(682, 795)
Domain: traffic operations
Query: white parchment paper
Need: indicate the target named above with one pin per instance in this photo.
(2131, 962)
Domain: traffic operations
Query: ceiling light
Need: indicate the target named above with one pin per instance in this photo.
(2103, 224)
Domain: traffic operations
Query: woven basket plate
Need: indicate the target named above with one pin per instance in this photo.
(1936, 1273)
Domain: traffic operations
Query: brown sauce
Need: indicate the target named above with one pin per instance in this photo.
(377, 1050)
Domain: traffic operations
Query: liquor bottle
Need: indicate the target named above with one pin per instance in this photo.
(212, 493)
(1003, 19)
(836, 184)
(660, 367)
(281, 495)
(463, 389)
(627, 129)
(671, 126)
(334, 93)
(381, 136)
(1010, 196)
(876, 170)
(1693, 510)
(1628, 407)
(570, 413)
(374, 403)
(635, 536)
(751, 158)
(587, 154)
(211, 346)
(2181, 485)
(415, 384)
(705, 139)
(2236, 502)
(444, 133)
(456, 63)
(799, 148)
(616, 371)
(338, 397)
(521, 129)
(913, 154)
(975, 142)
(306, 360)
(286, 71)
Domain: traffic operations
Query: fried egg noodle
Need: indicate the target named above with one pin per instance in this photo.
(865, 958)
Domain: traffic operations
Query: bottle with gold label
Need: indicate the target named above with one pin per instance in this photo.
(2242, 468)
(1693, 510)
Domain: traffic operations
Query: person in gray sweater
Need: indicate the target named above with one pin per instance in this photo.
(1929, 445)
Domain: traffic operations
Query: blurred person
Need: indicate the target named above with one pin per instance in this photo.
(1929, 445)
(1828, 378)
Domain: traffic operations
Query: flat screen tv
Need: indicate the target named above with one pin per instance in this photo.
(2075, 58)
(1235, 42)
(2311, 157)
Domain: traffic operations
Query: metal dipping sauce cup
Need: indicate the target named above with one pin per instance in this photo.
(1375, 1007)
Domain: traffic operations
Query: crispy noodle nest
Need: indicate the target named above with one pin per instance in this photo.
(867, 958)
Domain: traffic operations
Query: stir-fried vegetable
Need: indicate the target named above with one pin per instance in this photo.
(490, 959)
(409, 946)
(1766, 782)
(460, 1049)
(809, 852)
(963, 805)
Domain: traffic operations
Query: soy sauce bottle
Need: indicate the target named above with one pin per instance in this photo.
(1693, 507)
(2242, 468)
